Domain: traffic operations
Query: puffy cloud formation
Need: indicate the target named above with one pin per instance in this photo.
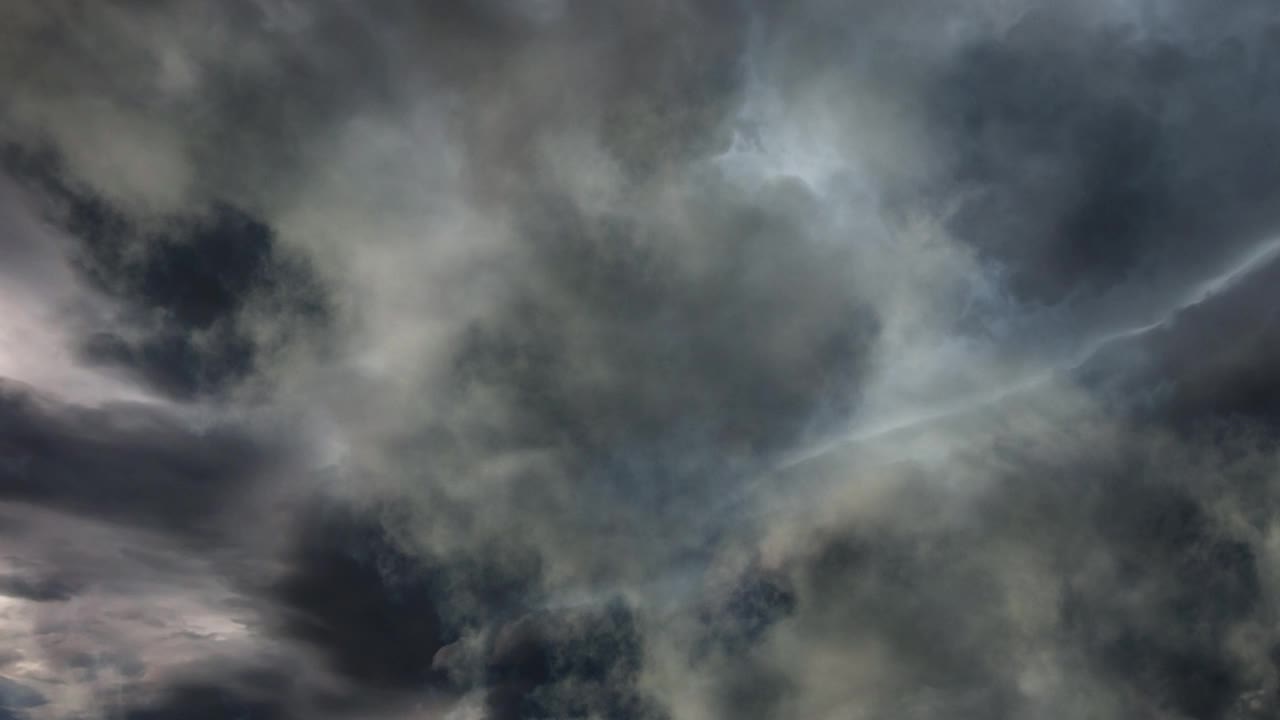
(498, 359)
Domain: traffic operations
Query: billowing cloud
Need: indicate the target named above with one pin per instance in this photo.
(693, 359)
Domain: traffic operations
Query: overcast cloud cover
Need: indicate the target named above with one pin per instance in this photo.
(684, 359)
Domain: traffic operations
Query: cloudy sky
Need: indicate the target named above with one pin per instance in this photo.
(684, 359)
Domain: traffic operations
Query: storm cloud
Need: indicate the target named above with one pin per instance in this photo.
(690, 359)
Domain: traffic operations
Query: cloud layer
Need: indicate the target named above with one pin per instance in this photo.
(691, 359)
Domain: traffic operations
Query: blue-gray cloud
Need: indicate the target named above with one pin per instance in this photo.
(709, 358)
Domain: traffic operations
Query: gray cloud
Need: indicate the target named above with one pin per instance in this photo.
(695, 359)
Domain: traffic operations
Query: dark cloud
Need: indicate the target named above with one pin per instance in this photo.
(1178, 374)
(15, 696)
(127, 464)
(1172, 649)
(735, 623)
(655, 374)
(396, 625)
(753, 604)
(246, 97)
(915, 597)
(555, 478)
(366, 605)
(583, 663)
(188, 285)
(1087, 155)
(1147, 589)
(37, 588)
(655, 84)
(1197, 584)
(199, 702)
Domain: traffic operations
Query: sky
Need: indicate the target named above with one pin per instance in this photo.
(685, 359)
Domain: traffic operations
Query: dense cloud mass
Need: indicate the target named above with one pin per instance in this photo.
(501, 359)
